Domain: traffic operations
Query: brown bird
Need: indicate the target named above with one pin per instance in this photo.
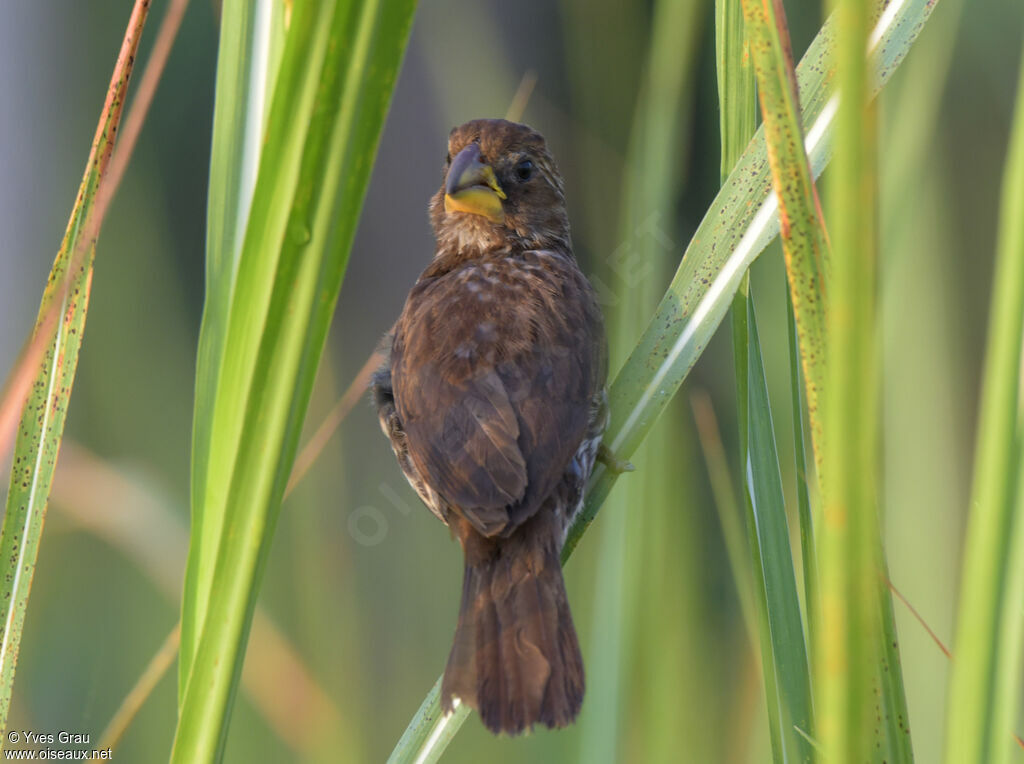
(494, 401)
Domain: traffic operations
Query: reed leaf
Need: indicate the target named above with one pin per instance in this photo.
(740, 223)
(737, 104)
(330, 96)
(60, 326)
(626, 694)
(808, 549)
(985, 683)
(860, 704)
(804, 240)
(784, 664)
(242, 74)
(737, 94)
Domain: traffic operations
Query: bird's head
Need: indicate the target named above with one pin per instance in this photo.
(501, 189)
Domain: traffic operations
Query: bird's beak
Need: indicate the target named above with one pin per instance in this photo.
(472, 187)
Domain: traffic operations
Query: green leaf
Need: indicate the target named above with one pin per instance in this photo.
(737, 227)
(985, 683)
(653, 180)
(807, 546)
(430, 731)
(783, 650)
(737, 104)
(737, 96)
(780, 630)
(61, 316)
(241, 86)
(892, 729)
(804, 241)
(860, 704)
(330, 97)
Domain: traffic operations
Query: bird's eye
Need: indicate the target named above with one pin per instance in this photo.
(524, 170)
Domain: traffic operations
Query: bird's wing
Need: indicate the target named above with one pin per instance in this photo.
(494, 367)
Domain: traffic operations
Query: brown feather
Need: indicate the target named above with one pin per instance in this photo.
(515, 656)
(499, 370)
(493, 400)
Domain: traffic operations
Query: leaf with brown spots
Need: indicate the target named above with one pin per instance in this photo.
(53, 356)
(802, 228)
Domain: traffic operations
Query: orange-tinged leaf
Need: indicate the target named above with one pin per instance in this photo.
(52, 355)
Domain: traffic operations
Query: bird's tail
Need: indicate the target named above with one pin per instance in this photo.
(515, 658)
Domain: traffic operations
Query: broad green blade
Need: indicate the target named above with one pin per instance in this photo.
(242, 74)
(64, 305)
(330, 97)
(985, 683)
(739, 224)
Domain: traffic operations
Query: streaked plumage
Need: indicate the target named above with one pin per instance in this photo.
(493, 399)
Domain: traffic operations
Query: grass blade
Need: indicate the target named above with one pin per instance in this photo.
(622, 616)
(737, 96)
(807, 547)
(237, 135)
(739, 224)
(430, 731)
(783, 650)
(861, 707)
(780, 630)
(61, 319)
(737, 99)
(985, 683)
(331, 93)
(892, 733)
(804, 240)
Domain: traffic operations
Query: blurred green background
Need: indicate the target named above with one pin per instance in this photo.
(363, 583)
